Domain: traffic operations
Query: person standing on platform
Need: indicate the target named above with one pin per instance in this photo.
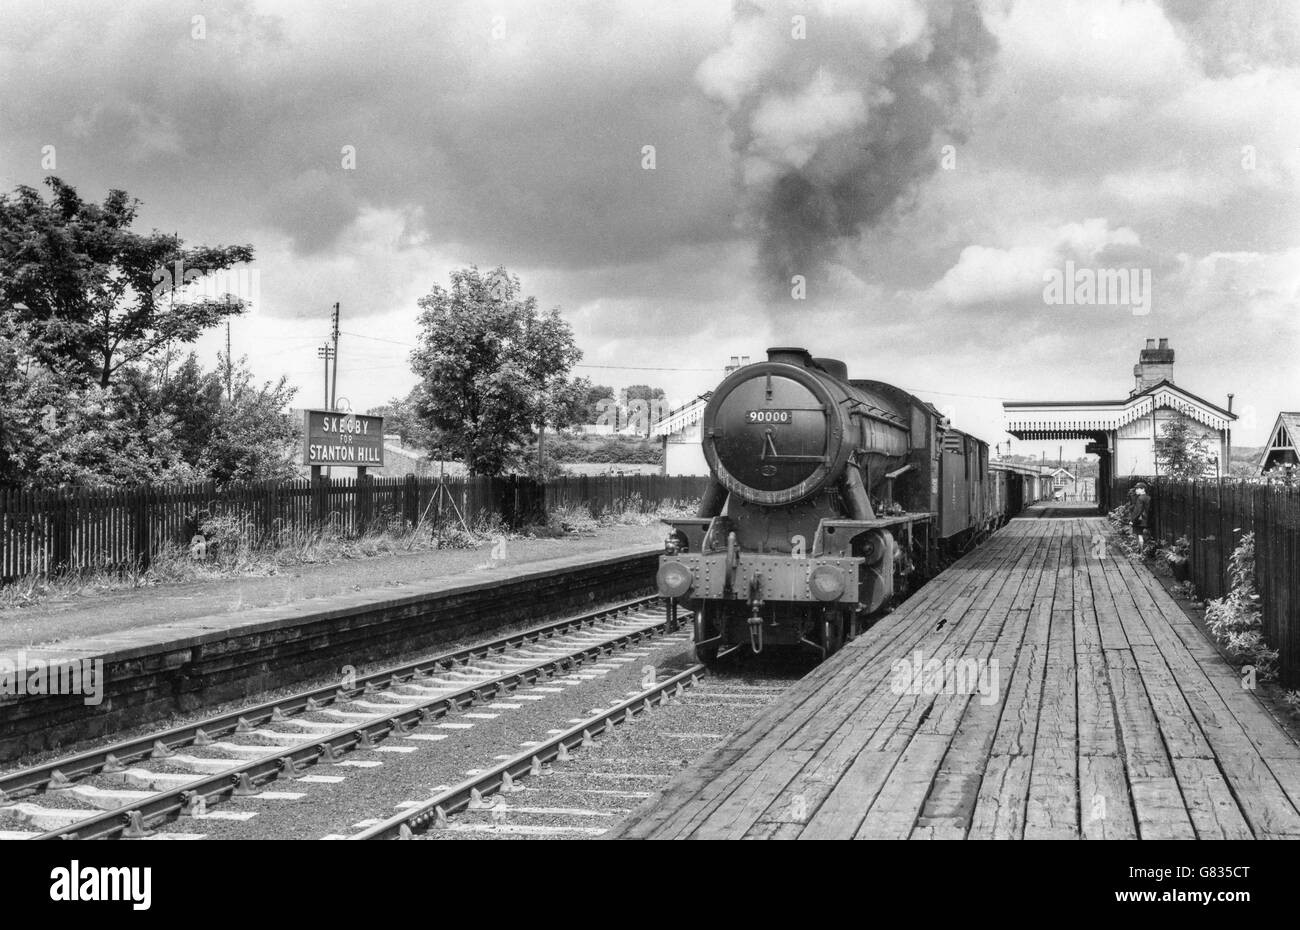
(1139, 513)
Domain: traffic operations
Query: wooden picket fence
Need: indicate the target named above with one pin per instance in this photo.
(1214, 515)
(43, 532)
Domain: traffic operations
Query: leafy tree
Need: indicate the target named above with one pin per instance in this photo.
(57, 431)
(192, 397)
(643, 392)
(492, 367)
(402, 416)
(1181, 452)
(592, 406)
(254, 436)
(92, 294)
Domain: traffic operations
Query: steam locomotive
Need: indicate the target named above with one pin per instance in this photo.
(830, 499)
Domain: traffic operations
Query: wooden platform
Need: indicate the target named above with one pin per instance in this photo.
(1113, 717)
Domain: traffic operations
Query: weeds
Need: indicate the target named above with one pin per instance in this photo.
(1235, 620)
(584, 519)
(226, 547)
(227, 550)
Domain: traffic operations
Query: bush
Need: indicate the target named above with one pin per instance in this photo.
(1235, 620)
(614, 450)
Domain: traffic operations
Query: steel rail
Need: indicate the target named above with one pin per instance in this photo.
(434, 811)
(25, 782)
(134, 819)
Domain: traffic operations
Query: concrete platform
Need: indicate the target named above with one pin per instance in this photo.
(1081, 703)
(161, 669)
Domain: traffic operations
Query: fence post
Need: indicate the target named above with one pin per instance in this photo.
(60, 531)
(411, 500)
(140, 519)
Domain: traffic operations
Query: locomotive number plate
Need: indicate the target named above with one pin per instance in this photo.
(768, 416)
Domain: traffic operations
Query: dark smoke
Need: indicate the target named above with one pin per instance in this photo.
(835, 130)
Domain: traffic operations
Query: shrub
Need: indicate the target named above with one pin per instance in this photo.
(1234, 620)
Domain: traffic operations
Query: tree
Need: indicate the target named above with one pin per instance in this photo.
(1181, 453)
(93, 295)
(402, 417)
(56, 431)
(253, 436)
(492, 366)
(192, 397)
(644, 405)
(643, 392)
(592, 406)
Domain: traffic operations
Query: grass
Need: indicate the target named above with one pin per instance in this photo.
(229, 553)
(629, 511)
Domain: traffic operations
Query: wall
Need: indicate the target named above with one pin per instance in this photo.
(684, 454)
(1135, 449)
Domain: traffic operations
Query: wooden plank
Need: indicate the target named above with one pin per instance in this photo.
(1143, 746)
(839, 815)
(1000, 806)
(950, 807)
(1109, 627)
(895, 808)
(1210, 803)
(1179, 727)
(816, 705)
(1097, 728)
(1161, 811)
(1104, 799)
(1052, 803)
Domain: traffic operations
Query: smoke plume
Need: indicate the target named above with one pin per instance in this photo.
(836, 110)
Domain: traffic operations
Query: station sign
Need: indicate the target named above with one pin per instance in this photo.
(333, 438)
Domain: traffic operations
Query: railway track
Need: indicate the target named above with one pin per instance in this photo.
(501, 779)
(583, 781)
(192, 768)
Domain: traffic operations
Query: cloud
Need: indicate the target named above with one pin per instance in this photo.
(514, 133)
(834, 109)
(985, 274)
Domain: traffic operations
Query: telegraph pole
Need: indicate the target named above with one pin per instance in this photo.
(334, 389)
(326, 352)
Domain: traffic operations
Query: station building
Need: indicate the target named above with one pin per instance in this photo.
(1123, 433)
(1280, 450)
(679, 431)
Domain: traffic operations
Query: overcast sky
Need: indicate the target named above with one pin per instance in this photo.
(920, 166)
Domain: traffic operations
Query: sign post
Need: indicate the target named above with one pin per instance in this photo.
(333, 438)
(348, 439)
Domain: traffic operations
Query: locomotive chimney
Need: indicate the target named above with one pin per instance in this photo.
(790, 355)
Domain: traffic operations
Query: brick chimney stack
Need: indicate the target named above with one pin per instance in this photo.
(1155, 364)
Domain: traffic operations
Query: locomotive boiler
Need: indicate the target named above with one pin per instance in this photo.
(829, 499)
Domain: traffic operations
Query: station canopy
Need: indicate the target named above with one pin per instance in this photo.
(1094, 420)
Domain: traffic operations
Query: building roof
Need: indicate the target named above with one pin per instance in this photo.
(676, 420)
(1281, 438)
(1055, 419)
